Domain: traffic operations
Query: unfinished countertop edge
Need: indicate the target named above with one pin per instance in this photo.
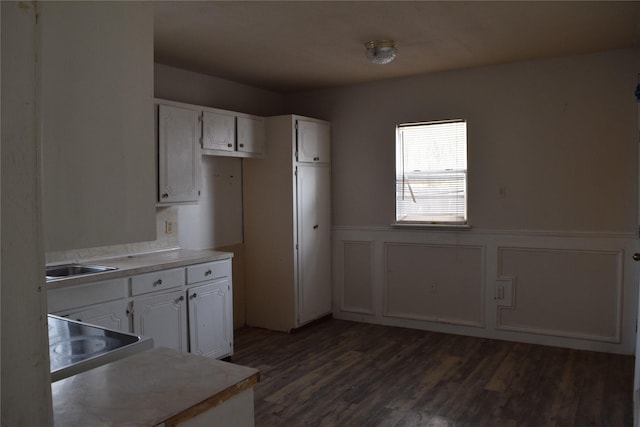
(175, 386)
(214, 401)
(132, 265)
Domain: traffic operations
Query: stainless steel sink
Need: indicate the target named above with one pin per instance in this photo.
(72, 270)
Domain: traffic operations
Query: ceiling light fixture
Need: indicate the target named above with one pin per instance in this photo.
(381, 51)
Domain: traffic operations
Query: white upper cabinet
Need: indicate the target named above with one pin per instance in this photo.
(251, 135)
(218, 131)
(314, 142)
(228, 133)
(179, 160)
(96, 89)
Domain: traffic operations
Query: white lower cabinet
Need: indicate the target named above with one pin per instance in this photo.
(187, 309)
(210, 328)
(111, 315)
(196, 316)
(162, 317)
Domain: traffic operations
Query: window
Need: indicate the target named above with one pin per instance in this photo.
(431, 173)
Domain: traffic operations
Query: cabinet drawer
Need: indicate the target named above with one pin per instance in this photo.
(157, 281)
(111, 315)
(83, 295)
(208, 271)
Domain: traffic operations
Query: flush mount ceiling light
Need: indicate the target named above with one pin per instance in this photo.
(381, 51)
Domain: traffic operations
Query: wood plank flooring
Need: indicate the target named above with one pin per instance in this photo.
(340, 373)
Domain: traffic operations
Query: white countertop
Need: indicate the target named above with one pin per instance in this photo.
(141, 390)
(143, 263)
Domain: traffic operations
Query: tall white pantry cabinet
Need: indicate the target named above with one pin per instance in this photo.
(287, 225)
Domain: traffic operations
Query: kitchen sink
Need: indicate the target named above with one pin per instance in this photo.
(72, 270)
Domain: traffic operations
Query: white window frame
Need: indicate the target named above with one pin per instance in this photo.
(434, 211)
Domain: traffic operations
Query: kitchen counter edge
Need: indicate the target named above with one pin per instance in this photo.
(132, 265)
(149, 388)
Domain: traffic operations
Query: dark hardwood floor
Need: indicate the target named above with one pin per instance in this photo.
(340, 373)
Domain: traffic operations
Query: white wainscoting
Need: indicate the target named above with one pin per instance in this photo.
(576, 290)
(438, 283)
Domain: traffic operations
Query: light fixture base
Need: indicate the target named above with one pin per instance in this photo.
(381, 51)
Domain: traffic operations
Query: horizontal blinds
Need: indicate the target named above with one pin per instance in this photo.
(431, 172)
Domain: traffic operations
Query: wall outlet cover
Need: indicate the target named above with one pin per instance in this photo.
(504, 294)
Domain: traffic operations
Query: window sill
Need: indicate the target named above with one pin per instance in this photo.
(425, 225)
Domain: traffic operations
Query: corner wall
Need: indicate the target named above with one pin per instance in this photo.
(25, 376)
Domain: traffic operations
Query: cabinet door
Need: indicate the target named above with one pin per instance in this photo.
(211, 319)
(314, 234)
(251, 135)
(218, 131)
(179, 154)
(111, 315)
(162, 317)
(313, 142)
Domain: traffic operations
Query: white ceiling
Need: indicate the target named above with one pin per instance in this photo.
(297, 45)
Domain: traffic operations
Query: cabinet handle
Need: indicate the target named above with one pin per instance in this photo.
(207, 273)
(229, 145)
(241, 145)
(315, 159)
(181, 299)
(157, 282)
(315, 227)
(165, 195)
(194, 295)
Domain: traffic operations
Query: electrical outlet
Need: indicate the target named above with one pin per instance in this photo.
(504, 292)
(168, 227)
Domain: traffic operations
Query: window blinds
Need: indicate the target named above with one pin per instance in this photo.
(431, 172)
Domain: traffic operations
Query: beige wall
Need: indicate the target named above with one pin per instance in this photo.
(26, 395)
(558, 134)
(163, 241)
(175, 84)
